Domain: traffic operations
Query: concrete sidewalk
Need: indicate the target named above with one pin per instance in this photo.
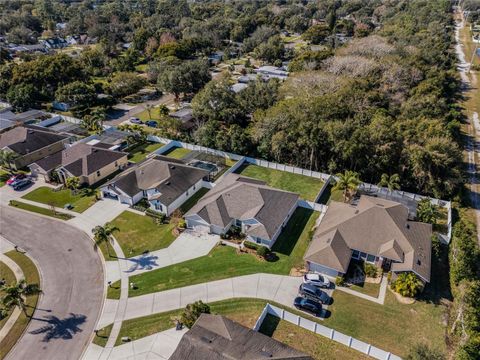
(381, 295)
(157, 346)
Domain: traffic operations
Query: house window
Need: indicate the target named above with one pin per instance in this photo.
(371, 258)
(98, 173)
(356, 254)
(158, 206)
(363, 255)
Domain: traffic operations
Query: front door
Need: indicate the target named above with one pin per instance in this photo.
(387, 263)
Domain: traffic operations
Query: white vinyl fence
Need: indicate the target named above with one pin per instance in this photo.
(396, 194)
(325, 331)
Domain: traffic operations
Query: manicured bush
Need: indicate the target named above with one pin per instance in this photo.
(156, 214)
(182, 224)
(263, 251)
(370, 270)
(407, 284)
(250, 245)
(424, 352)
(193, 311)
(340, 281)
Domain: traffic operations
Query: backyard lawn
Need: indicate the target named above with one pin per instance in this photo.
(187, 205)
(317, 346)
(32, 277)
(177, 152)
(140, 233)
(140, 152)
(306, 186)
(224, 262)
(39, 210)
(329, 195)
(45, 195)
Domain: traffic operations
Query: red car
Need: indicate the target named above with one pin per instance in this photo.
(15, 178)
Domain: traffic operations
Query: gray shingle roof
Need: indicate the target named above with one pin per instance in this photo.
(215, 337)
(25, 140)
(242, 198)
(374, 226)
(169, 178)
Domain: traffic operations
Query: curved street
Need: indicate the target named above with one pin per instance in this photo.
(72, 284)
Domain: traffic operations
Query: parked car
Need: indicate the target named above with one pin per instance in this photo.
(316, 279)
(20, 184)
(311, 306)
(16, 178)
(151, 123)
(135, 120)
(312, 292)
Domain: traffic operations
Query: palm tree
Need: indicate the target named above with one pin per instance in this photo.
(347, 182)
(7, 159)
(149, 108)
(15, 294)
(391, 182)
(72, 183)
(102, 234)
(427, 212)
(407, 284)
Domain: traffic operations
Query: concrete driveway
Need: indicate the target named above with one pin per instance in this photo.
(71, 280)
(101, 212)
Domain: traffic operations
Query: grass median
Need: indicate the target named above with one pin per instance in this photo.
(40, 210)
(32, 277)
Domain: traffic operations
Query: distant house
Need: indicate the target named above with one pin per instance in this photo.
(31, 145)
(89, 163)
(54, 43)
(215, 337)
(216, 58)
(165, 183)
(260, 211)
(29, 49)
(376, 231)
(271, 72)
(61, 106)
(111, 139)
(238, 87)
(185, 116)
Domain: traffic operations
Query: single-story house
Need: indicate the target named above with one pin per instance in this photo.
(31, 145)
(165, 183)
(215, 337)
(89, 163)
(271, 72)
(260, 211)
(54, 43)
(374, 230)
(185, 116)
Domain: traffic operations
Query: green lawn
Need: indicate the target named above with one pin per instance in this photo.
(109, 253)
(224, 262)
(101, 337)
(177, 152)
(306, 186)
(140, 152)
(329, 195)
(367, 289)
(317, 346)
(244, 311)
(187, 205)
(139, 233)
(46, 195)
(39, 210)
(32, 277)
(6, 274)
(155, 112)
(4, 175)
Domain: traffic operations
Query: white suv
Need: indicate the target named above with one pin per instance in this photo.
(316, 279)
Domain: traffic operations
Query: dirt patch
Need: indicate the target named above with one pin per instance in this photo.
(402, 299)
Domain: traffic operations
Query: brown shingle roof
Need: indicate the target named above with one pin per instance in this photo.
(25, 140)
(214, 337)
(378, 227)
(238, 197)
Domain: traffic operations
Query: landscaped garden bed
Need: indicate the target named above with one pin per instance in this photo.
(308, 187)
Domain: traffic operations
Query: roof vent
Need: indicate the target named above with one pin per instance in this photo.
(419, 262)
(407, 225)
(357, 211)
(266, 353)
(207, 340)
(172, 167)
(167, 183)
(30, 131)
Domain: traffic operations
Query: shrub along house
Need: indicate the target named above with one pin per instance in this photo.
(165, 183)
(259, 210)
(89, 163)
(376, 231)
(31, 145)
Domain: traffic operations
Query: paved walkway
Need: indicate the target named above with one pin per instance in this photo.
(157, 346)
(381, 296)
(18, 276)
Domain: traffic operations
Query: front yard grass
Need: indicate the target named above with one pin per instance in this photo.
(155, 112)
(367, 289)
(140, 152)
(45, 195)
(101, 336)
(39, 210)
(317, 346)
(187, 205)
(32, 277)
(140, 233)
(224, 262)
(177, 152)
(308, 187)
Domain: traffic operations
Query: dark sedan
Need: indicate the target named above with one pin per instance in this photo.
(313, 293)
(304, 304)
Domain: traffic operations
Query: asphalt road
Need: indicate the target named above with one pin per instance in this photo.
(72, 285)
